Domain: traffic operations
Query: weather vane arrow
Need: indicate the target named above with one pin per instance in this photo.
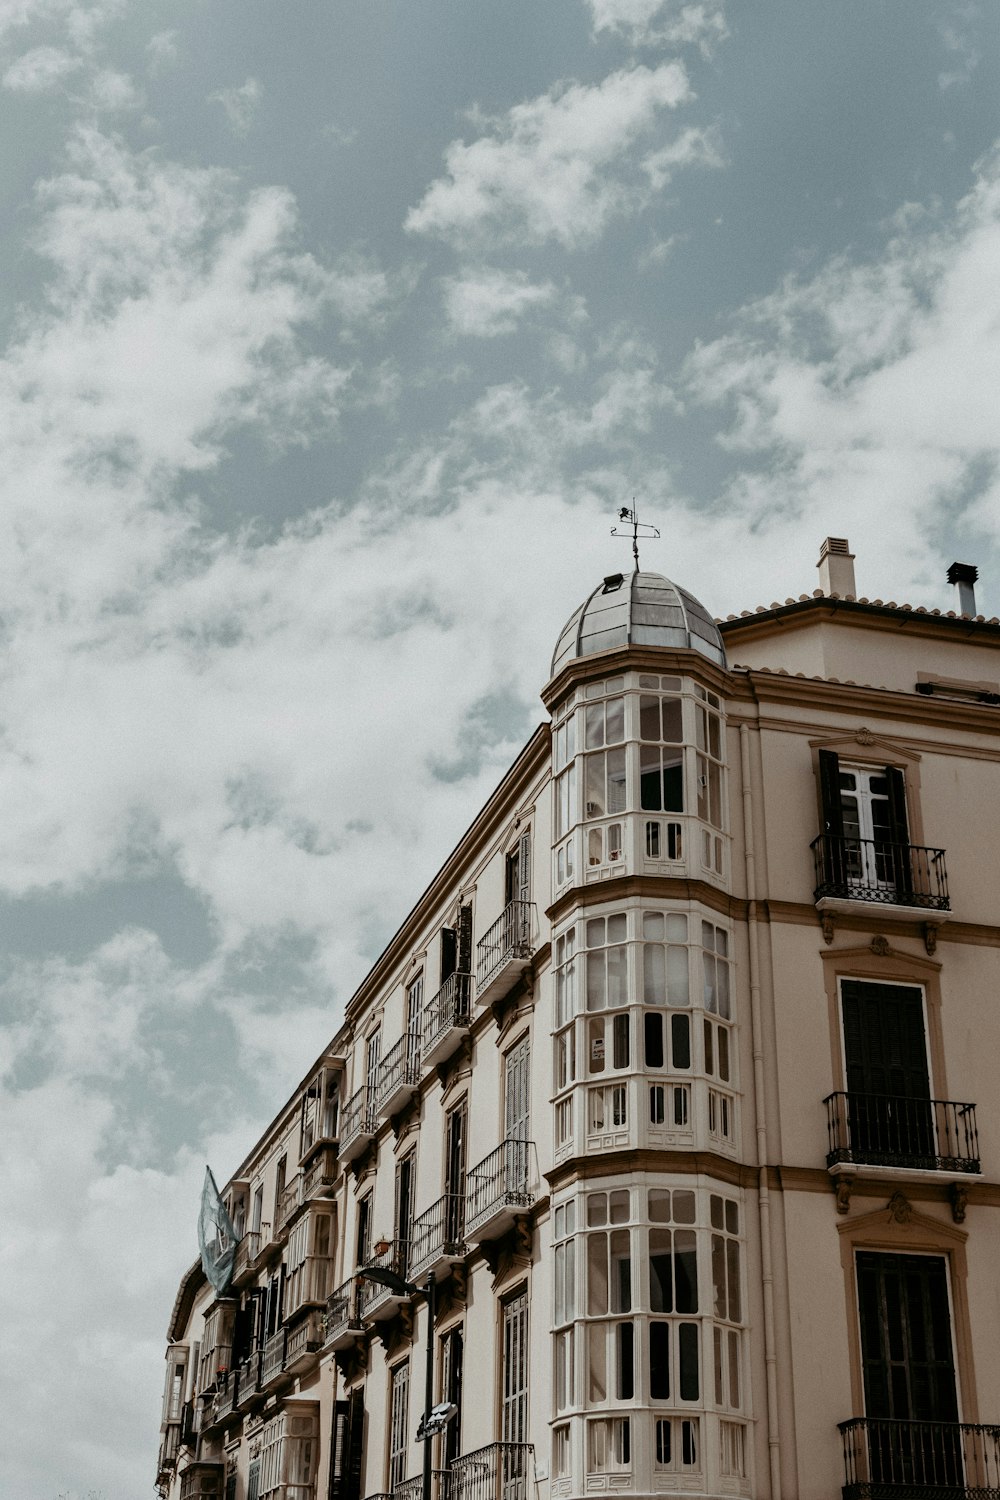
(639, 529)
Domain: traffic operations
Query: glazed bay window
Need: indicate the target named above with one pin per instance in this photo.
(709, 773)
(565, 966)
(309, 1265)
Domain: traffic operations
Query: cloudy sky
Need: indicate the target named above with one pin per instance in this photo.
(334, 332)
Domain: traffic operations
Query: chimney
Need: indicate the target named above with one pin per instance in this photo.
(836, 567)
(965, 575)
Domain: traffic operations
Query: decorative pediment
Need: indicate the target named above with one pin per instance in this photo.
(897, 1223)
(865, 744)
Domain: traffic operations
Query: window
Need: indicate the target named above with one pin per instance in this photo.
(604, 845)
(715, 959)
(673, 1289)
(279, 1186)
(452, 1360)
(708, 759)
(676, 1443)
(607, 1108)
(661, 754)
(561, 1453)
(607, 1043)
(609, 1445)
(514, 1414)
(604, 783)
(663, 839)
(399, 1400)
(607, 961)
(565, 965)
(665, 976)
(289, 1446)
(889, 1111)
(403, 1208)
(866, 845)
(309, 1262)
(414, 1007)
(564, 742)
(363, 1240)
(727, 1301)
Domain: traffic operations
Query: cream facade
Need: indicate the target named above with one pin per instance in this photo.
(676, 1083)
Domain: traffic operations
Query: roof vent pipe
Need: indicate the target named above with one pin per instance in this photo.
(965, 575)
(836, 568)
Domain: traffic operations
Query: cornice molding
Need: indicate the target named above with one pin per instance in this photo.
(653, 888)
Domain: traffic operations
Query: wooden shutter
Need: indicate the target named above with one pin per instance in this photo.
(465, 939)
(899, 832)
(829, 786)
(449, 952)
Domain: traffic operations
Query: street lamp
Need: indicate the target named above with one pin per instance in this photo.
(435, 1418)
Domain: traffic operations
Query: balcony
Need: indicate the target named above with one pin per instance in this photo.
(248, 1252)
(872, 870)
(202, 1481)
(501, 1471)
(249, 1386)
(398, 1075)
(319, 1176)
(882, 1130)
(304, 1342)
(893, 1460)
(288, 1202)
(498, 1189)
(437, 1239)
(357, 1126)
(376, 1302)
(272, 1364)
(447, 1018)
(343, 1325)
(225, 1400)
(412, 1489)
(503, 953)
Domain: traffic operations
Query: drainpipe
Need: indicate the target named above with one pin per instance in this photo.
(763, 1191)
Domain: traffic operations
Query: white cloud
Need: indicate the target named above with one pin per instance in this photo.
(677, 23)
(871, 387)
(557, 167)
(487, 301)
(39, 69)
(956, 36)
(161, 50)
(240, 104)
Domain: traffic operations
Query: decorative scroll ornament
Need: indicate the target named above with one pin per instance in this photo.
(864, 736)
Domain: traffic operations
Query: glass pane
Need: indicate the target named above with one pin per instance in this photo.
(678, 979)
(683, 1206)
(659, 1365)
(672, 731)
(597, 1208)
(687, 1343)
(659, 1205)
(652, 925)
(654, 975)
(617, 928)
(661, 1295)
(598, 1362)
(626, 1365)
(619, 1206)
(680, 1041)
(615, 720)
(595, 726)
(649, 718)
(621, 1265)
(685, 1271)
(597, 1273)
(677, 928)
(653, 1037)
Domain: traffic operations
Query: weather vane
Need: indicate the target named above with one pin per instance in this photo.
(639, 528)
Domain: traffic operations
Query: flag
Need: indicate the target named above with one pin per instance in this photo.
(216, 1237)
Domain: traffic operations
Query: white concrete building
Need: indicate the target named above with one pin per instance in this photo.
(668, 1082)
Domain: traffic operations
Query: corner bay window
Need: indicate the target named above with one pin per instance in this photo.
(662, 1318)
(640, 1016)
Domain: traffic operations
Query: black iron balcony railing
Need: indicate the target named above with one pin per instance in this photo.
(225, 1396)
(357, 1124)
(412, 1489)
(341, 1321)
(374, 1299)
(893, 1460)
(506, 943)
(450, 1010)
(287, 1203)
(249, 1386)
(875, 870)
(885, 1130)
(273, 1359)
(501, 1471)
(501, 1181)
(438, 1234)
(399, 1071)
(319, 1176)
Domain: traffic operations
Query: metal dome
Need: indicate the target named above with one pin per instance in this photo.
(644, 609)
